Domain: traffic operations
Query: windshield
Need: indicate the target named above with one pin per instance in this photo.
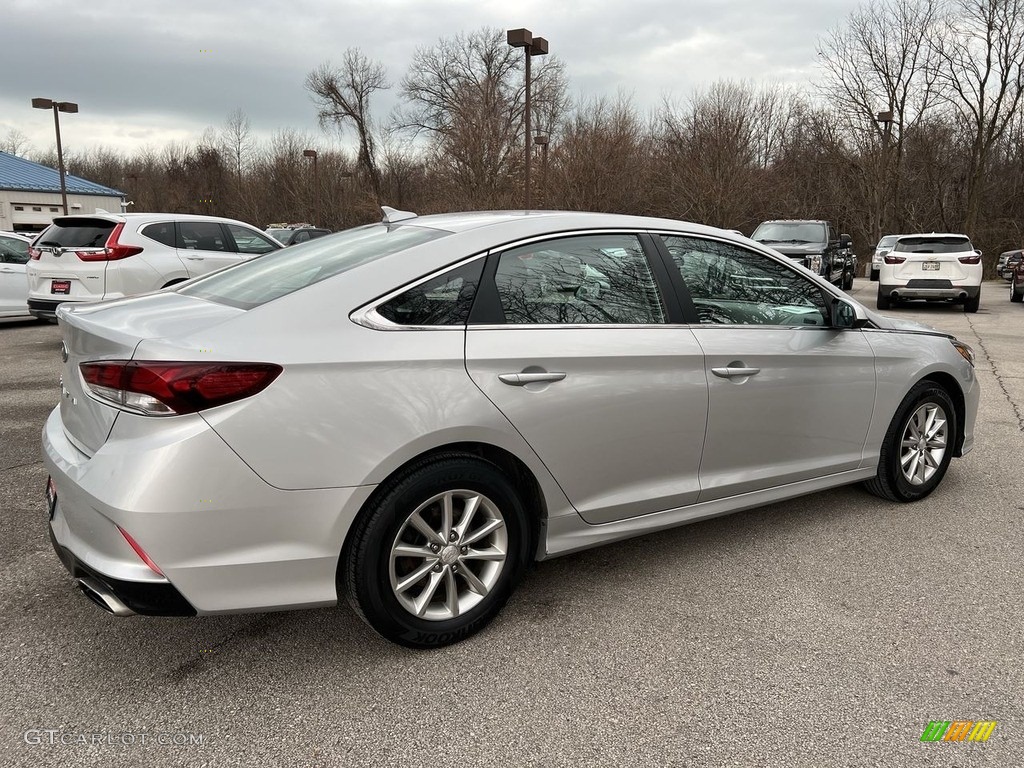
(789, 232)
(888, 241)
(933, 244)
(279, 273)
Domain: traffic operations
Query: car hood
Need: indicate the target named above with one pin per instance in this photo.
(796, 249)
(899, 324)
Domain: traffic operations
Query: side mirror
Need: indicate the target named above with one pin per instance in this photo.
(845, 241)
(846, 315)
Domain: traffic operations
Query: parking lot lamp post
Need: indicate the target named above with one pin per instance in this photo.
(316, 184)
(58, 106)
(533, 46)
(541, 140)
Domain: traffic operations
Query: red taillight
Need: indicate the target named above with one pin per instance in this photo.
(975, 259)
(113, 249)
(34, 253)
(140, 551)
(167, 389)
(891, 259)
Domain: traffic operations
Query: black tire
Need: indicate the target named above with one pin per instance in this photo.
(1016, 297)
(884, 302)
(368, 568)
(874, 275)
(847, 280)
(971, 303)
(892, 482)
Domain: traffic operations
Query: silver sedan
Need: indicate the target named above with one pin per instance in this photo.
(411, 412)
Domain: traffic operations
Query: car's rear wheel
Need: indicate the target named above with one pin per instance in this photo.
(874, 275)
(884, 302)
(971, 303)
(437, 553)
(918, 445)
(1015, 295)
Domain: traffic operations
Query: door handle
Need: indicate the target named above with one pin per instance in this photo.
(729, 373)
(195, 258)
(520, 379)
(8, 270)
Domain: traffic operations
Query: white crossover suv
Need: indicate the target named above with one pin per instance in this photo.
(936, 267)
(110, 256)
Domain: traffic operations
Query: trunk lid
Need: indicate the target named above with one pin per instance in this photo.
(113, 331)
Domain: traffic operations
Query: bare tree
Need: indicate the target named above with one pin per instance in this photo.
(236, 140)
(15, 143)
(343, 96)
(880, 60)
(981, 70)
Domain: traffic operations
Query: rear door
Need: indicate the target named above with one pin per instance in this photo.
(204, 246)
(789, 397)
(570, 339)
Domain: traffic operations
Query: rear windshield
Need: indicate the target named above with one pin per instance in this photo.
(789, 232)
(77, 233)
(887, 241)
(279, 273)
(933, 244)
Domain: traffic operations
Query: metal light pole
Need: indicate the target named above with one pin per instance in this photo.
(58, 106)
(533, 46)
(541, 140)
(316, 184)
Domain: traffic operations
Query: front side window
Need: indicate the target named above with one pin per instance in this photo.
(257, 281)
(250, 241)
(593, 279)
(442, 300)
(731, 285)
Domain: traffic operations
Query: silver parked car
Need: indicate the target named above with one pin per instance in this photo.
(412, 411)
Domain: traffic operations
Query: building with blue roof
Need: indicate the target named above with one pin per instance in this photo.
(30, 195)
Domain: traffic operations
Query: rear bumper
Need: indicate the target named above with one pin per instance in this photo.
(147, 598)
(930, 289)
(44, 309)
(224, 540)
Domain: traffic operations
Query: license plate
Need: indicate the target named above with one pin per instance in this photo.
(60, 286)
(51, 497)
(930, 266)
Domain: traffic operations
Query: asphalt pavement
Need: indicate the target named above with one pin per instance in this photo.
(825, 631)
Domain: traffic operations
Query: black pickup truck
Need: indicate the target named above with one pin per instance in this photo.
(815, 244)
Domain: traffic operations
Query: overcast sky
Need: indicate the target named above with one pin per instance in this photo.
(145, 73)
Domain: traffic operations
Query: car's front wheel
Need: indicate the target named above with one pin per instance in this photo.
(918, 445)
(1016, 295)
(847, 280)
(438, 552)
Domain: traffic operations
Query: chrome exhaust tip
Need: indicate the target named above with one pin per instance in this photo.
(102, 596)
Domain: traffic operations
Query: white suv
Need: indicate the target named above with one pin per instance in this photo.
(936, 267)
(109, 256)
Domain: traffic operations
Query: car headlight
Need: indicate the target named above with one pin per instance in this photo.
(965, 351)
(814, 263)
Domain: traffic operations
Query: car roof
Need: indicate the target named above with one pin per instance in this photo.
(143, 218)
(937, 234)
(795, 221)
(552, 221)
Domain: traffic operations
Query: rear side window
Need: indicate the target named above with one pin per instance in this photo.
(933, 244)
(162, 232)
(201, 236)
(13, 250)
(257, 281)
(442, 300)
(81, 232)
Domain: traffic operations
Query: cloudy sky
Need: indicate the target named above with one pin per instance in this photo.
(146, 72)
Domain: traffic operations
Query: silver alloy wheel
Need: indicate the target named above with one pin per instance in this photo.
(924, 443)
(448, 555)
